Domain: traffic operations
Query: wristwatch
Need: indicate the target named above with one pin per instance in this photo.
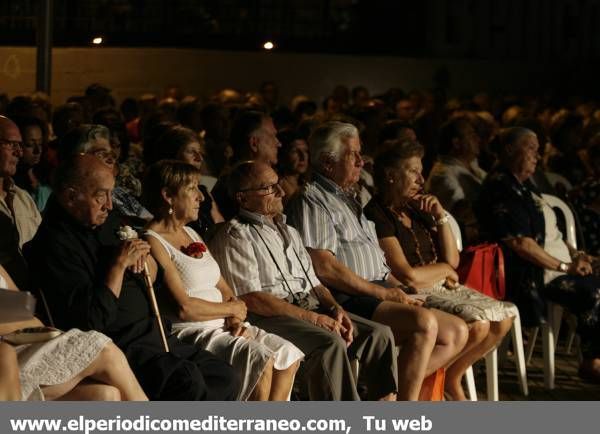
(563, 266)
(442, 221)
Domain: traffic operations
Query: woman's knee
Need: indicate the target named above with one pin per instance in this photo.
(501, 328)
(111, 357)
(479, 330)
(426, 323)
(456, 333)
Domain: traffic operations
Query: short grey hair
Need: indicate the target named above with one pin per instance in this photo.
(329, 139)
(510, 137)
(80, 139)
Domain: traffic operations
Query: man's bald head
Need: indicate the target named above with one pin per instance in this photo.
(84, 185)
(11, 147)
(6, 123)
(244, 176)
(78, 171)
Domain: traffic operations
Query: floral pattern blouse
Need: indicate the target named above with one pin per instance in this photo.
(507, 209)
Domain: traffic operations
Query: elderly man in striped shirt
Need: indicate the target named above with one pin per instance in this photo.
(345, 251)
(267, 265)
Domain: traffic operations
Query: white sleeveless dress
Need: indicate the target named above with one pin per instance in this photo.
(55, 361)
(248, 356)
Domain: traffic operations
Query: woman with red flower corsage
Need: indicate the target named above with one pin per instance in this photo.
(208, 313)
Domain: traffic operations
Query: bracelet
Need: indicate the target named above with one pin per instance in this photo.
(443, 220)
(335, 307)
(577, 254)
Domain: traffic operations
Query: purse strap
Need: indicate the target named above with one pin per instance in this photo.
(500, 273)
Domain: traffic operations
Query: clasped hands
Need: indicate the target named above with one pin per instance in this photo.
(336, 321)
(581, 265)
(132, 254)
(235, 323)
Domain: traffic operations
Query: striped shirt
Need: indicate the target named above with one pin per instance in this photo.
(247, 248)
(329, 219)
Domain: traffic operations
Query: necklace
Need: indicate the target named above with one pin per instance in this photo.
(398, 215)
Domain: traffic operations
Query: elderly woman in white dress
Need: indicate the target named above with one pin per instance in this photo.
(74, 366)
(208, 313)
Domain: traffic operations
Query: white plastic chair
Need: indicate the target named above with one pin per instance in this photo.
(551, 329)
(555, 179)
(491, 359)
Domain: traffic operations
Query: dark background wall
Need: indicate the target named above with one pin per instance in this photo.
(203, 45)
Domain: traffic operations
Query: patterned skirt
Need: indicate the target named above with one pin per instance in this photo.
(467, 303)
(57, 361)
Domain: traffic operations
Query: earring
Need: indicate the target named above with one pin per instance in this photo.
(170, 210)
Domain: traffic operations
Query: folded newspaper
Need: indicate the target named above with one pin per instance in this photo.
(16, 305)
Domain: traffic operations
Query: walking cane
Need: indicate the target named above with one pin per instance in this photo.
(128, 233)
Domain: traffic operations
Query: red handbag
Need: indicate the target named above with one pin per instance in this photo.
(482, 269)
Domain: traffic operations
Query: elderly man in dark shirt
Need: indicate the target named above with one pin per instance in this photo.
(92, 280)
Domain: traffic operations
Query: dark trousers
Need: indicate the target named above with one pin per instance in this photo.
(581, 296)
(187, 373)
(327, 367)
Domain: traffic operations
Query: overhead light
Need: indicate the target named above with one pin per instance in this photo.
(268, 45)
(97, 40)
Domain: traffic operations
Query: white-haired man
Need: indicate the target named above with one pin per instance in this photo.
(346, 255)
(264, 261)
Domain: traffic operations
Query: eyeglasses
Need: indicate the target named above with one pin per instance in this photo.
(264, 191)
(109, 157)
(13, 145)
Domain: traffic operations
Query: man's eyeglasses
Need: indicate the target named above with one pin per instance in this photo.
(109, 157)
(264, 191)
(13, 145)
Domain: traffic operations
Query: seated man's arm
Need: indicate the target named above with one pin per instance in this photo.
(325, 297)
(236, 257)
(336, 275)
(76, 296)
(265, 304)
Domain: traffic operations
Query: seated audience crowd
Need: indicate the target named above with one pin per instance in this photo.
(244, 249)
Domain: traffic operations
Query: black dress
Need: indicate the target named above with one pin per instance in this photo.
(70, 263)
(506, 209)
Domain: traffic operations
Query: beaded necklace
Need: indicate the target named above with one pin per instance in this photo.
(398, 215)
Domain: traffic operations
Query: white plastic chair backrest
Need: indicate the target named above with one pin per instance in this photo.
(554, 179)
(456, 231)
(555, 202)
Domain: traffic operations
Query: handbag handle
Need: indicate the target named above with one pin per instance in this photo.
(500, 276)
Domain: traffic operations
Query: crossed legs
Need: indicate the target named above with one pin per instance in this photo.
(108, 377)
(428, 340)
